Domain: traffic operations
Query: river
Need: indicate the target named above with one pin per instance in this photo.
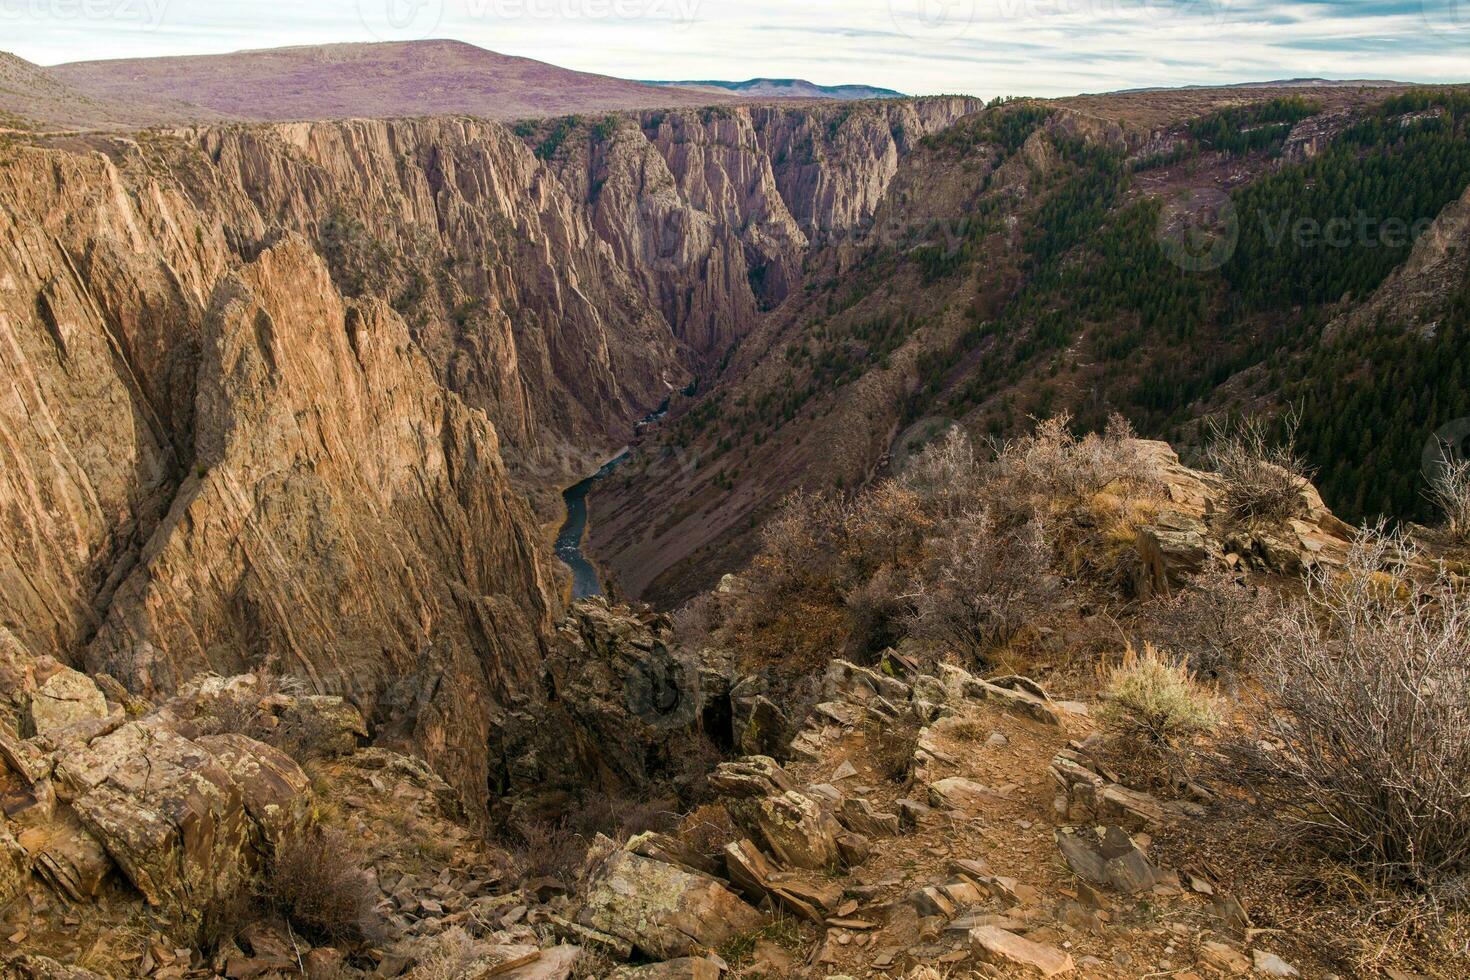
(585, 580)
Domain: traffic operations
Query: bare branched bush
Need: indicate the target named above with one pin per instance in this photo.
(1264, 479)
(1052, 463)
(1364, 740)
(980, 585)
(877, 614)
(317, 881)
(800, 544)
(946, 477)
(1217, 622)
(882, 527)
(1153, 703)
(1450, 489)
(542, 849)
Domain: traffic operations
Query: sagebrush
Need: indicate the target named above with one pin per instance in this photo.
(1363, 744)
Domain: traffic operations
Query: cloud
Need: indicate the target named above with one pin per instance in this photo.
(982, 47)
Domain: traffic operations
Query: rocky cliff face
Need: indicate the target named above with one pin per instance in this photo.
(209, 468)
(260, 379)
(714, 210)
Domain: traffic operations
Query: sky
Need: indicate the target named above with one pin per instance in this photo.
(976, 47)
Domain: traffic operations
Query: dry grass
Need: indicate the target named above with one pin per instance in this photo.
(1153, 702)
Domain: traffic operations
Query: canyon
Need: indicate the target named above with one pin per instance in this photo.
(294, 383)
(291, 410)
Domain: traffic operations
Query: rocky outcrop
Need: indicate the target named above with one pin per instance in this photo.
(1188, 534)
(662, 910)
(184, 819)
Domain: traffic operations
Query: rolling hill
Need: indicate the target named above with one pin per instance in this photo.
(336, 81)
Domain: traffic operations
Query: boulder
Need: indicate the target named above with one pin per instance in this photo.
(685, 968)
(753, 776)
(1017, 695)
(72, 861)
(1109, 857)
(1272, 965)
(859, 816)
(173, 820)
(66, 699)
(764, 726)
(1009, 949)
(959, 793)
(662, 910)
(1173, 549)
(845, 681)
(555, 963)
(186, 821)
(798, 831)
(1227, 959)
(276, 793)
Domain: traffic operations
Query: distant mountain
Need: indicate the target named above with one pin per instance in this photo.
(1276, 83)
(416, 78)
(32, 97)
(785, 88)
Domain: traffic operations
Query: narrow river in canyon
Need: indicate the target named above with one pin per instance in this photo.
(585, 580)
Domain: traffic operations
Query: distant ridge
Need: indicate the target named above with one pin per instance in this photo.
(32, 97)
(786, 88)
(1277, 83)
(336, 81)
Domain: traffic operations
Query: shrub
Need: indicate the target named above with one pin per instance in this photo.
(316, 880)
(945, 477)
(1153, 703)
(893, 746)
(1054, 465)
(1264, 482)
(882, 527)
(1364, 740)
(980, 585)
(547, 850)
(1218, 623)
(1450, 489)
